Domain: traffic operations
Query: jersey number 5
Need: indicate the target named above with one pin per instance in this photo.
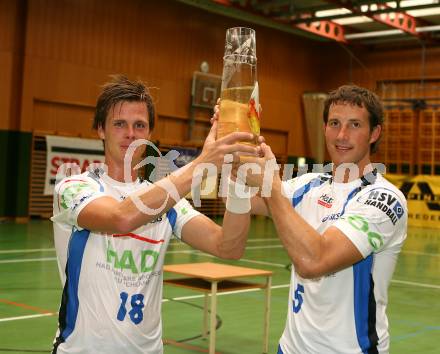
(137, 304)
(298, 300)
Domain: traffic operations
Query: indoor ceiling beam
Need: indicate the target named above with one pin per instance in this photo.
(311, 16)
(224, 8)
(395, 19)
(326, 29)
(398, 20)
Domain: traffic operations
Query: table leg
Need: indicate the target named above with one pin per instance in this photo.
(205, 316)
(213, 317)
(267, 316)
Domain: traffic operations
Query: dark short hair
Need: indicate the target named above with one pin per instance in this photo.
(120, 88)
(361, 97)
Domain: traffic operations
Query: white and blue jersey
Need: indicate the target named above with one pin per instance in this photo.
(345, 312)
(112, 294)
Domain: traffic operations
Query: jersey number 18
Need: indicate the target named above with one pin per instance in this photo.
(137, 304)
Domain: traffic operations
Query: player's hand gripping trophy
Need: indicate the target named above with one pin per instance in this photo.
(239, 106)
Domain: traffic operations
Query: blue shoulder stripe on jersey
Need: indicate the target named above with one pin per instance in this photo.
(350, 197)
(365, 306)
(301, 192)
(279, 351)
(172, 217)
(95, 177)
(69, 301)
(368, 179)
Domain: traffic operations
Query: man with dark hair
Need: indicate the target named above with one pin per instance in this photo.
(112, 230)
(361, 97)
(122, 89)
(342, 231)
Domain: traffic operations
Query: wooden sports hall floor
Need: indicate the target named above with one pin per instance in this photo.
(30, 290)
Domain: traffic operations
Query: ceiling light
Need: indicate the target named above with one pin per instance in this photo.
(333, 12)
(430, 11)
(389, 32)
(406, 3)
(373, 34)
(353, 20)
(392, 4)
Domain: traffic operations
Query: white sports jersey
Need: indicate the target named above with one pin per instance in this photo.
(112, 293)
(344, 312)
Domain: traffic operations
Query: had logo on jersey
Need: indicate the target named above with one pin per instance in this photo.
(386, 201)
(325, 201)
(126, 260)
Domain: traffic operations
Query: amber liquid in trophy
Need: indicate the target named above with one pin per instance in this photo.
(234, 111)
